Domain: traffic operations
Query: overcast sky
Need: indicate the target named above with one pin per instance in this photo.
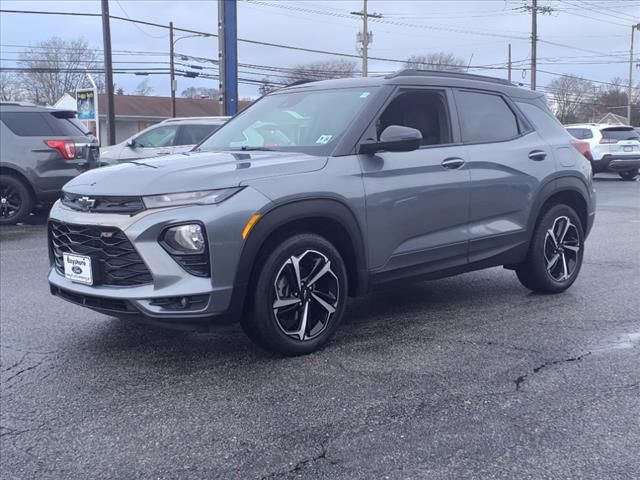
(589, 38)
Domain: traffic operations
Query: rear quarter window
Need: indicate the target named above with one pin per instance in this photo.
(581, 133)
(40, 124)
(485, 117)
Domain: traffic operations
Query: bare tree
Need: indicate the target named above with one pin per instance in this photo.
(568, 94)
(199, 92)
(54, 67)
(266, 86)
(323, 70)
(10, 88)
(144, 88)
(435, 61)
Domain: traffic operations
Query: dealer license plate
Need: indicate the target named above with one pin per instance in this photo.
(77, 268)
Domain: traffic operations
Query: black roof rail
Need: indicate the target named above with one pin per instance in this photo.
(300, 82)
(448, 74)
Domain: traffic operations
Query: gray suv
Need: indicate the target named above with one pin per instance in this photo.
(326, 190)
(41, 149)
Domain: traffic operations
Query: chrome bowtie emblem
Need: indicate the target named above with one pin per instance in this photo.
(86, 203)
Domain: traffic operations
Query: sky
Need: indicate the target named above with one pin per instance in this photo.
(587, 38)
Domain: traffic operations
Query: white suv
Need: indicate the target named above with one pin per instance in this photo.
(175, 135)
(614, 148)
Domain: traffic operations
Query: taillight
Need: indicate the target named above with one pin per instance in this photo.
(608, 140)
(66, 148)
(583, 148)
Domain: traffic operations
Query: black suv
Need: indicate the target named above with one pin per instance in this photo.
(41, 149)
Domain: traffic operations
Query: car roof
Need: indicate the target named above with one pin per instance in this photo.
(29, 107)
(196, 119)
(421, 78)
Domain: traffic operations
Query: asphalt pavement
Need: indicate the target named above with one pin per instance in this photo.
(467, 377)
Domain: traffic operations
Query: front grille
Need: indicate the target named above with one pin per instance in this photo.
(102, 204)
(116, 262)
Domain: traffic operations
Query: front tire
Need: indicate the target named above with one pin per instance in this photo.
(556, 252)
(628, 175)
(299, 296)
(15, 200)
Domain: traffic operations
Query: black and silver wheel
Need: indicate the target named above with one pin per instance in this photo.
(629, 174)
(299, 296)
(15, 200)
(556, 251)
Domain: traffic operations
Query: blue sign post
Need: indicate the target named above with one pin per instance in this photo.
(228, 55)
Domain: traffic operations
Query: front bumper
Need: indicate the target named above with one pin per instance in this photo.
(163, 300)
(617, 163)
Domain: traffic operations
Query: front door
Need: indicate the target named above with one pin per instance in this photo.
(417, 202)
(155, 142)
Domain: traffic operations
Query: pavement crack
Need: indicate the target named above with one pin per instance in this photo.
(20, 372)
(301, 465)
(522, 378)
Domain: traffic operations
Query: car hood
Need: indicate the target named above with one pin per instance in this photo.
(190, 171)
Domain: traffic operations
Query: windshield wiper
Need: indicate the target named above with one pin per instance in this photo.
(245, 148)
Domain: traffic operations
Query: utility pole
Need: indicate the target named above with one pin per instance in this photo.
(108, 73)
(534, 9)
(172, 71)
(365, 37)
(509, 64)
(534, 42)
(228, 56)
(630, 91)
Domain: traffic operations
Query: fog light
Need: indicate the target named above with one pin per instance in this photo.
(186, 238)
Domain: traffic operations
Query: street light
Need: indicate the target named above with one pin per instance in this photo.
(172, 70)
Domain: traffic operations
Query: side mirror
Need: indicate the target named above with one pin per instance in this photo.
(132, 144)
(394, 138)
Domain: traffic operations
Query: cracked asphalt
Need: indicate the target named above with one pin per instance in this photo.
(467, 377)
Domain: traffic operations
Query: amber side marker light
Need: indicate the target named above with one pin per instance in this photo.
(247, 228)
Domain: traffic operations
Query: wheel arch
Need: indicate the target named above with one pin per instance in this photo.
(14, 172)
(329, 218)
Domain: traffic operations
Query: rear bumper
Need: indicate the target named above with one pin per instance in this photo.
(617, 163)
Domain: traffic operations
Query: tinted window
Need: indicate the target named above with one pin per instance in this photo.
(619, 134)
(40, 124)
(485, 117)
(423, 110)
(158, 137)
(193, 134)
(581, 133)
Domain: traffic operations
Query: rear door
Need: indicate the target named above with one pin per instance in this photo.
(189, 135)
(507, 159)
(621, 141)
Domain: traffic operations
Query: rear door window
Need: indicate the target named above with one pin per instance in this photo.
(194, 134)
(619, 134)
(40, 124)
(485, 117)
(581, 133)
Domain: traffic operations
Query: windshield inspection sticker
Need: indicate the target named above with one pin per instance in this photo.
(324, 138)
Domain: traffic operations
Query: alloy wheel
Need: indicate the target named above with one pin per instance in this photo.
(562, 249)
(10, 201)
(306, 295)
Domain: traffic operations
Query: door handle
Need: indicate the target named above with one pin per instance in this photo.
(537, 155)
(452, 163)
(163, 153)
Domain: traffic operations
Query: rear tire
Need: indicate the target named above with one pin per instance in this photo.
(299, 296)
(556, 252)
(16, 201)
(629, 174)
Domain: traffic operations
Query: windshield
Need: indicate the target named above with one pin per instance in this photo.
(308, 121)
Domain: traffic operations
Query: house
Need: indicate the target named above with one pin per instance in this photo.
(613, 119)
(137, 112)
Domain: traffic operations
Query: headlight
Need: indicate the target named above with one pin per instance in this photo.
(186, 238)
(204, 197)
